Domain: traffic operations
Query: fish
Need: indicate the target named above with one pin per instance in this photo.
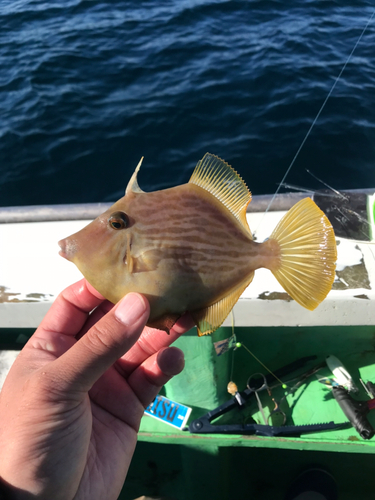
(189, 248)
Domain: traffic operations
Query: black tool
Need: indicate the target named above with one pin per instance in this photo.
(203, 424)
(355, 411)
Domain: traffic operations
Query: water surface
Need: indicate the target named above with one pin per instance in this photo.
(87, 88)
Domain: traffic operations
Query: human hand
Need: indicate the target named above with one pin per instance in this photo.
(72, 402)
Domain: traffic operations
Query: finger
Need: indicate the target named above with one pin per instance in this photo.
(52, 345)
(152, 341)
(147, 380)
(95, 316)
(82, 365)
(56, 333)
(127, 400)
(70, 310)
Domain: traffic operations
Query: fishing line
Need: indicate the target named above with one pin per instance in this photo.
(234, 337)
(343, 211)
(264, 366)
(340, 195)
(241, 344)
(318, 115)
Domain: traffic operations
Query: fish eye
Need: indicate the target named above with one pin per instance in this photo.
(118, 220)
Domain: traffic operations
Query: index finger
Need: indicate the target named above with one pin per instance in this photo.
(151, 341)
(70, 310)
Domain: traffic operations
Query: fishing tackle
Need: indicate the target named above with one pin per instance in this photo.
(203, 424)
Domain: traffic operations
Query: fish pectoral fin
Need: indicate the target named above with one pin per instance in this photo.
(222, 181)
(165, 323)
(146, 261)
(211, 317)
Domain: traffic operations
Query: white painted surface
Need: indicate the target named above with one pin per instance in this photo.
(31, 268)
(6, 360)
(29, 259)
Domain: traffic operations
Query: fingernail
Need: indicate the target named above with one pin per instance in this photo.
(130, 309)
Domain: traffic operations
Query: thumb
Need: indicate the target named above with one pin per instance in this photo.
(105, 342)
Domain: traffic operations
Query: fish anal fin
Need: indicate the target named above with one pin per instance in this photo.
(222, 181)
(165, 322)
(210, 318)
(308, 254)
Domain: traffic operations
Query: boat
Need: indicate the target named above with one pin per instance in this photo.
(267, 331)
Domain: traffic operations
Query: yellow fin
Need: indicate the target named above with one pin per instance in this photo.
(218, 178)
(165, 322)
(210, 318)
(307, 253)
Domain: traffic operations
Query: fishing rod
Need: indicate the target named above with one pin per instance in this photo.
(316, 118)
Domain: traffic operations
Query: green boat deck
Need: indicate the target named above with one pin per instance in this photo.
(184, 472)
(203, 384)
(181, 465)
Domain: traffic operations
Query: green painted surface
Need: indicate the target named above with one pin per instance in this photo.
(178, 473)
(181, 466)
(203, 383)
(14, 338)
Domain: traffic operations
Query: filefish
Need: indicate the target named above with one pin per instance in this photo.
(189, 248)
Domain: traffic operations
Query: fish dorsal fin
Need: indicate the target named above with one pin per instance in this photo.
(218, 178)
(211, 317)
(132, 186)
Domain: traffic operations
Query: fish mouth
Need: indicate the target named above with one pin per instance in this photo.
(68, 248)
(62, 250)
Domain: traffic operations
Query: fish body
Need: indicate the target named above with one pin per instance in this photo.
(189, 248)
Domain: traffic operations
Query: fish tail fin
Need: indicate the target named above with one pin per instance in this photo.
(306, 264)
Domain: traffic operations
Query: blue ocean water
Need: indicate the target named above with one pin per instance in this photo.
(88, 87)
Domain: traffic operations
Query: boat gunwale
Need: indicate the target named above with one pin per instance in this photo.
(89, 211)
